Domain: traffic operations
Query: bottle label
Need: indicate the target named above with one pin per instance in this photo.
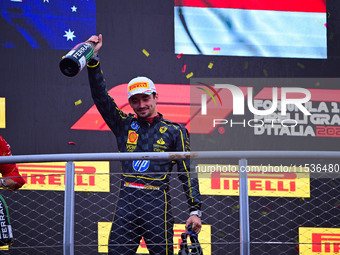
(84, 49)
(82, 62)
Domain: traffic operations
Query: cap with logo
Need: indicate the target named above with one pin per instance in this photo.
(140, 85)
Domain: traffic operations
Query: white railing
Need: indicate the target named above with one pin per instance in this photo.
(68, 240)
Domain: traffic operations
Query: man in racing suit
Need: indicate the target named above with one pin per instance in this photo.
(143, 205)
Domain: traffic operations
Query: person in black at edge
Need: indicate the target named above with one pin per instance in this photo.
(142, 209)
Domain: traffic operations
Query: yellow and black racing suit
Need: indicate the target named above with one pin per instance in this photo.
(143, 205)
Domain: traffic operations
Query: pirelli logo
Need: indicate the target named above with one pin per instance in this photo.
(89, 176)
(225, 182)
(138, 85)
(204, 238)
(314, 241)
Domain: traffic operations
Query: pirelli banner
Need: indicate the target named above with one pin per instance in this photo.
(269, 181)
(319, 241)
(89, 176)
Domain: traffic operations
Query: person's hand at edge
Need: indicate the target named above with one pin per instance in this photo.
(195, 222)
(98, 43)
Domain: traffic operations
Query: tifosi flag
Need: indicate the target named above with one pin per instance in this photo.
(265, 28)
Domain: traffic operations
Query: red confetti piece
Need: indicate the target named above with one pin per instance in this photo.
(179, 55)
(72, 143)
(217, 49)
(184, 68)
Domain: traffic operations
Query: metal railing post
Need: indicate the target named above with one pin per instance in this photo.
(68, 242)
(244, 208)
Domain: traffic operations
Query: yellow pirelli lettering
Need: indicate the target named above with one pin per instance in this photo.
(2, 112)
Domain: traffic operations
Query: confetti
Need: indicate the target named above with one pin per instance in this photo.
(179, 55)
(326, 25)
(216, 50)
(71, 143)
(211, 141)
(210, 65)
(235, 208)
(331, 36)
(300, 65)
(77, 102)
(146, 53)
(220, 234)
(183, 68)
(265, 72)
(317, 84)
(246, 65)
(337, 203)
(189, 75)
(329, 14)
(333, 184)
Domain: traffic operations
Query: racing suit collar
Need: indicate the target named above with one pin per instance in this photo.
(155, 119)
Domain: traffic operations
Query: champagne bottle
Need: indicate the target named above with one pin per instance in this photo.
(76, 59)
(6, 234)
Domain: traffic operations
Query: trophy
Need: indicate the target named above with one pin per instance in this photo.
(76, 59)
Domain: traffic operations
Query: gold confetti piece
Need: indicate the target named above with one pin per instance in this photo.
(331, 36)
(333, 184)
(246, 65)
(265, 72)
(146, 53)
(189, 75)
(210, 65)
(320, 22)
(77, 102)
(212, 141)
(300, 65)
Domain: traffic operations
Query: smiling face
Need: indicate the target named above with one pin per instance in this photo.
(144, 105)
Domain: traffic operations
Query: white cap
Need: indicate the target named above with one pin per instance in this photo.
(140, 85)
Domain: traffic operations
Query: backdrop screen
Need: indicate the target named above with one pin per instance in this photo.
(46, 24)
(263, 28)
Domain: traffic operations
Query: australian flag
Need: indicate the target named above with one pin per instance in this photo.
(56, 24)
